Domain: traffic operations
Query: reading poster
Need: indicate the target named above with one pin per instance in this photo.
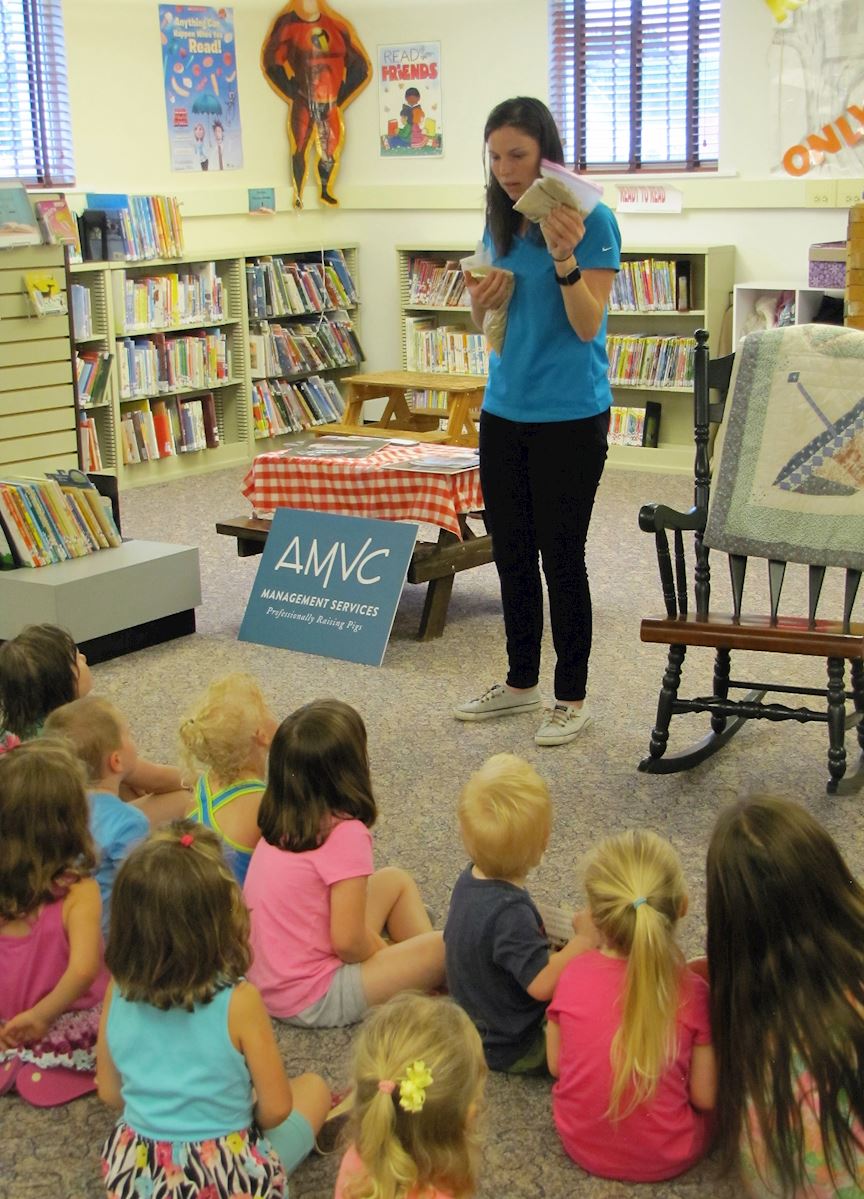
(409, 100)
(199, 63)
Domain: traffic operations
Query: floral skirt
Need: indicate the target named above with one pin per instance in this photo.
(69, 1043)
(241, 1165)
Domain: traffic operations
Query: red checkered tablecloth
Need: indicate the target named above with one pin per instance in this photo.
(359, 487)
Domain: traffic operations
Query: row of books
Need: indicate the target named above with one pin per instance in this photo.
(93, 369)
(651, 361)
(148, 366)
(194, 295)
(166, 428)
(43, 522)
(281, 287)
(438, 284)
(626, 425)
(651, 285)
(91, 451)
(30, 224)
(118, 226)
(298, 349)
(450, 349)
(282, 407)
(82, 310)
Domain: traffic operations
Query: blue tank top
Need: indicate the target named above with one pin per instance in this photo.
(182, 1077)
(207, 805)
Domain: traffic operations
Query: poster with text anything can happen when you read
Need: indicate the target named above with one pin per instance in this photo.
(199, 66)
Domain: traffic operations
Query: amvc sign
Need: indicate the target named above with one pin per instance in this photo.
(313, 564)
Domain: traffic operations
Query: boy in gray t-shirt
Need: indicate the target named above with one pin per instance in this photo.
(499, 968)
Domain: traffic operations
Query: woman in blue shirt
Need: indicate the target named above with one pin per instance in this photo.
(545, 417)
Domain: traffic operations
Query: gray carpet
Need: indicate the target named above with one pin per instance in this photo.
(420, 757)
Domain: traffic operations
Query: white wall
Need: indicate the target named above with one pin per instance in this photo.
(490, 49)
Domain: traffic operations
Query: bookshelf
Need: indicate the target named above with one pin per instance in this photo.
(301, 309)
(806, 301)
(37, 398)
(437, 333)
(646, 367)
(181, 397)
(709, 274)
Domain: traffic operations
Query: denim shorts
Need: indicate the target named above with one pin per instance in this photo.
(344, 1002)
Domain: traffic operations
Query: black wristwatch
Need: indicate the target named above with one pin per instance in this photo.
(568, 280)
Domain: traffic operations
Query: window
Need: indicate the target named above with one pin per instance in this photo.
(635, 84)
(35, 127)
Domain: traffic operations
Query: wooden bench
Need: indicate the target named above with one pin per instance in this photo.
(435, 563)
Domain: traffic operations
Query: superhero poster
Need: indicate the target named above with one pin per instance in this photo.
(409, 100)
(199, 64)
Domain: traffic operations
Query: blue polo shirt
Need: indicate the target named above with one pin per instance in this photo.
(545, 372)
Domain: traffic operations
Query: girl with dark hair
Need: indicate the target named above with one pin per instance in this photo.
(186, 1050)
(40, 670)
(545, 416)
(786, 967)
(318, 905)
(52, 978)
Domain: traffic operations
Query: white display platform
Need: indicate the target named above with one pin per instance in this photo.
(137, 583)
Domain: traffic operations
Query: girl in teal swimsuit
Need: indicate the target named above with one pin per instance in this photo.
(225, 740)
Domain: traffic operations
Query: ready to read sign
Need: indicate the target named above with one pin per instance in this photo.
(329, 584)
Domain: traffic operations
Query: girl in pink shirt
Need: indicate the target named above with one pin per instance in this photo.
(419, 1073)
(318, 906)
(628, 1033)
(52, 978)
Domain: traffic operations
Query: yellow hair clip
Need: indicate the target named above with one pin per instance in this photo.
(412, 1088)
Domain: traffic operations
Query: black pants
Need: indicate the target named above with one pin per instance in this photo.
(539, 482)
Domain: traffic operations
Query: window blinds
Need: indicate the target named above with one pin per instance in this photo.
(634, 84)
(35, 125)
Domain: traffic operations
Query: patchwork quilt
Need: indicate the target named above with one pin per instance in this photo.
(788, 478)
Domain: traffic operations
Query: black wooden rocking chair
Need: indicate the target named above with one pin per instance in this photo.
(834, 640)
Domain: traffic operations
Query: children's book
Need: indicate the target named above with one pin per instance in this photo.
(44, 292)
(441, 460)
(57, 223)
(336, 446)
(18, 226)
(557, 186)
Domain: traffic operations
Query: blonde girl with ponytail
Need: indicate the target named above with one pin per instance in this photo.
(419, 1073)
(628, 1033)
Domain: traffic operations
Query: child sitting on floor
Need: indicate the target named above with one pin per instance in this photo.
(318, 906)
(51, 974)
(41, 669)
(101, 739)
(186, 1049)
(499, 967)
(786, 962)
(226, 737)
(628, 1033)
(419, 1075)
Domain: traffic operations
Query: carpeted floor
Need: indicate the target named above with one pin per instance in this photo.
(420, 757)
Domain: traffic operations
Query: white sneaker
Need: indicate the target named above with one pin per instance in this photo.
(499, 701)
(562, 723)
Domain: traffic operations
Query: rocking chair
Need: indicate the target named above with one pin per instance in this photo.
(836, 640)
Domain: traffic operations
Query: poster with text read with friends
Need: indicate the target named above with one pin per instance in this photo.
(329, 584)
(409, 100)
(199, 64)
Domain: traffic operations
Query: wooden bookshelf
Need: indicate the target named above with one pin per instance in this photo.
(229, 326)
(709, 273)
(320, 321)
(805, 300)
